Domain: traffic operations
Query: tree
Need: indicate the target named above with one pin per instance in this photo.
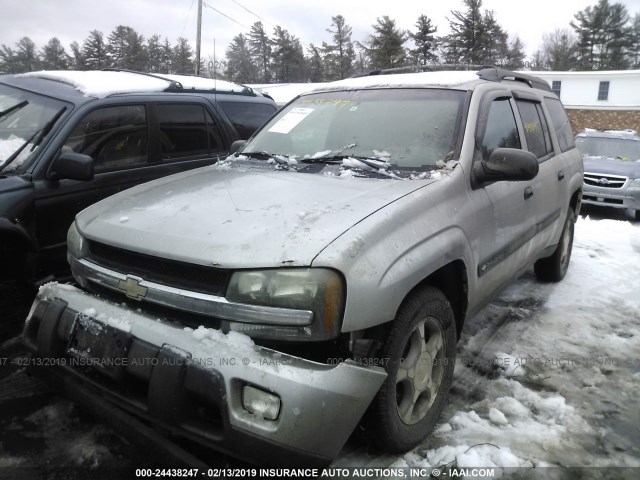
(385, 47)
(634, 42)
(315, 63)
(559, 50)
(339, 55)
(425, 41)
(126, 49)
(468, 40)
(287, 57)
(26, 57)
(240, 67)
(183, 61)
(260, 48)
(166, 57)
(77, 61)
(94, 51)
(494, 46)
(515, 54)
(603, 36)
(155, 54)
(8, 62)
(537, 61)
(53, 56)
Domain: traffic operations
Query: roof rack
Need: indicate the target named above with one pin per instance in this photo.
(432, 67)
(173, 85)
(498, 74)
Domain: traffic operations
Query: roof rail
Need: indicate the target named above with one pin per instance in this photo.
(432, 67)
(173, 85)
(498, 74)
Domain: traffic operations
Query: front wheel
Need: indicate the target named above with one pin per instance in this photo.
(420, 353)
(554, 268)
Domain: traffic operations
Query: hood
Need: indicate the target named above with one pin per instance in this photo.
(611, 166)
(235, 218)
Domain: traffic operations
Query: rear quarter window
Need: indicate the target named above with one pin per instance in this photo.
(247, 117)
(560, 123)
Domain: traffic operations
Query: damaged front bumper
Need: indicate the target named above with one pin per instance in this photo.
(219, 390)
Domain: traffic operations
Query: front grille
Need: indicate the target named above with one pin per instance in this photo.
(196, 278)
(606, 181)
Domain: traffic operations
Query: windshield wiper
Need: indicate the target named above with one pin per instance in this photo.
(265, 156)
(36, 138)
(369, 161)
(17, 106)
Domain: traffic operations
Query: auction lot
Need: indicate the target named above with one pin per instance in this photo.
(548, 375)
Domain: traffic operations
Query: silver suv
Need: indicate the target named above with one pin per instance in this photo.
(320, 276)
(612, 168)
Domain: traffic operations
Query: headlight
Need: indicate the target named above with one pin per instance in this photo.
(318, 290)
(76, 246)
(635, 183)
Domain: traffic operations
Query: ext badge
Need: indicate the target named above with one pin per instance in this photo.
(131, 286)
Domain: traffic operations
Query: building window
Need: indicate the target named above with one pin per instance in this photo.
(603, 91)
(556, 85)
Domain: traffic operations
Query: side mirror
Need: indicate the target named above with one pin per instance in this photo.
(74, 166)
(506, 164)
(237, 145)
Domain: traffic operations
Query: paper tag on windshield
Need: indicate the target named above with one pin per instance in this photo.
(290, 120)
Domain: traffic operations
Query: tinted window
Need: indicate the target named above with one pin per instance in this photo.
(247, 117)
(603, 91)
(501, 131)
(556, 87)
(187, 131)
(560, 123)
(533, 129)
(113, 136)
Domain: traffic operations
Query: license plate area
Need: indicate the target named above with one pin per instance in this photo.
(95, 344)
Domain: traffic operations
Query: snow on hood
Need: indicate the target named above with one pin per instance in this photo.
(101, 84)
(237, 218)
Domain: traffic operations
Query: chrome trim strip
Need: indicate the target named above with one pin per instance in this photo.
(188, 301)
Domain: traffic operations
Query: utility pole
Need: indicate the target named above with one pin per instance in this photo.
(199, 37)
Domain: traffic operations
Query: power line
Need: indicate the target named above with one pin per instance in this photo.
(252, 13)
(187, 19)
(224, 15)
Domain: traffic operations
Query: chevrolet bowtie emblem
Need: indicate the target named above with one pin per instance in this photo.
(603, 181)
(131, 286)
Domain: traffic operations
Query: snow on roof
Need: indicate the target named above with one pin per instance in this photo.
(451, 78)
(100, 84)
(283, 92)
(199, 83)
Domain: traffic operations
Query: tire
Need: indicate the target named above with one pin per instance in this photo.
(554, 268)
(420, 353)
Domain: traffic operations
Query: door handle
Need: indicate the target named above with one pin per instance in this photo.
(561, 175)
(528, 193)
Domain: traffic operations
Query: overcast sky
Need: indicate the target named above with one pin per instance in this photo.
(71, 20)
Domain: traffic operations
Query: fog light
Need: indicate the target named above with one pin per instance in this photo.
(261, 403)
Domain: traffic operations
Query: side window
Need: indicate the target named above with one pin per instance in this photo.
(501, 131)
(114, 137)
(187, 131)
(535, 131)
(247, 117)
(560, 123)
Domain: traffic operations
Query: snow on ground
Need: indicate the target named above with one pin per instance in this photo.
(549, 374)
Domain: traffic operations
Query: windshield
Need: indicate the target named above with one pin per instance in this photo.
(22, 116)
(620, 148)
(405, 128)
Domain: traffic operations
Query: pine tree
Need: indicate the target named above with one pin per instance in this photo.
(634, 43)
(287, 57)
(315, 63)
(260, 48)
(182, 60)
(494, 45)
(166, 57)
(26, 57)
(94, 51)
(339, 55)
(77, 60)
(385, 47)
(468, 41)
(425, 41)
(240, 67)
(8, 62)
(537, 61)
(515, 54)
(53, 56)
(155, 54)
(126, 49)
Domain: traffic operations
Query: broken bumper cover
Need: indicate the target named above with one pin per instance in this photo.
(197, 383)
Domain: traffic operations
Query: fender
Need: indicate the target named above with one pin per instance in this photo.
(9, 229)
